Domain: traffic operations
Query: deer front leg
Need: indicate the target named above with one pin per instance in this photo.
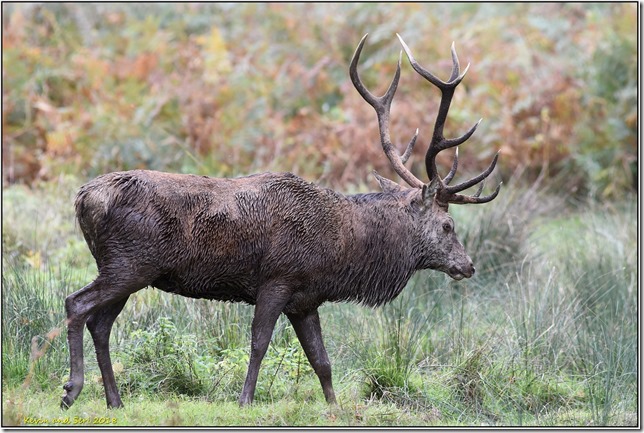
(269, 306)
(309, 332)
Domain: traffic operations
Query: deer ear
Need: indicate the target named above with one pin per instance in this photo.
(430, 190)
(387, 185)
(430, 194)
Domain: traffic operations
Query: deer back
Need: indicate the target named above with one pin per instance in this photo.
(222, 238)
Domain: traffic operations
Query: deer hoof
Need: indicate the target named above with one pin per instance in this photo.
(244, 401)
(67, 399)
(66, 402)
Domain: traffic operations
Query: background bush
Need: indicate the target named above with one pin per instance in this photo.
(230, 89)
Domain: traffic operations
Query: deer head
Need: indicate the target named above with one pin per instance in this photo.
(441, 248)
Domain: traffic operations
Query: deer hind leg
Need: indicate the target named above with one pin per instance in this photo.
(79, 306)
(308, 331)
(100, 324)
(267, 309)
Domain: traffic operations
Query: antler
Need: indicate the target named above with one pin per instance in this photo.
(382, 105)
(445, 193)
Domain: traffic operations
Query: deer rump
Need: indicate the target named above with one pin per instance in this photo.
(222, 239)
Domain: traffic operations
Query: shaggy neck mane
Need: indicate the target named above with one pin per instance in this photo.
(382, 251)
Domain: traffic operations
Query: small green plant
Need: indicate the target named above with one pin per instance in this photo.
(164, 360)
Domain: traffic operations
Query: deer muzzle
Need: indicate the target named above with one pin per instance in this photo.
(458, 273)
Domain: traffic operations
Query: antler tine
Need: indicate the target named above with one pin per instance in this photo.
(465, 199)
(479, 190)
(382, 105)
(469, 183)
(447, 179)
(410, 147)
(422, 71)
(451, 142)
(456, 67)
(455, 77)
(436, 147)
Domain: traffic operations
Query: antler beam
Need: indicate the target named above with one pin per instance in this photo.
(382, 105)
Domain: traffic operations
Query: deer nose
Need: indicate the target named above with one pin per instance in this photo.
(472, 269)
(468, 270)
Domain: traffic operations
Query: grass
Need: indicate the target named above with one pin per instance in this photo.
(545, 334)
(25, 408)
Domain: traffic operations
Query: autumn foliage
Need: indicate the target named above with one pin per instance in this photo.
(232, 89)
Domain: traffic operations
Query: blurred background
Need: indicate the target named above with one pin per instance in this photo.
(232, 89)
(546, 333)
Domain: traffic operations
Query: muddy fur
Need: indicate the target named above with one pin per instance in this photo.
(271, 240)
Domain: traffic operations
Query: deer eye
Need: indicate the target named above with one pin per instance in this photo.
(447, 227)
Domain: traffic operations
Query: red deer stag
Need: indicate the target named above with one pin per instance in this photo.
(270, 240)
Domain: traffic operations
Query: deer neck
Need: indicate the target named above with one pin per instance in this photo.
(380, 247)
